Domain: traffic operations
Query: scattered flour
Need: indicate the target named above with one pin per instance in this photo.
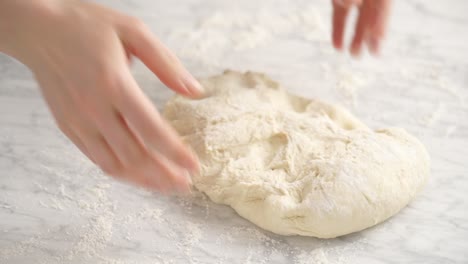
(63, 192)
(95, 239)
(106, 260)
(318, 256)
(348, 84)
(20, 248)
(446, 86)
(152, 214)
(450, 130)
(53, 203)
(432, 75)
(435, 116)
(193, 235)
(220, 32)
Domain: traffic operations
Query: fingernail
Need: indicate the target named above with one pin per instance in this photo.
(190, 186)
(188, 176)
(192, 85)
(192, 164)
(183, 187)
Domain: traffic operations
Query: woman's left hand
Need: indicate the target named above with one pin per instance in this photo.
(370, 28)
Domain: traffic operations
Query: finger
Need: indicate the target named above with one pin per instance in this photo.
(339, 20)
(169, 177)
(124, 144)
(137, 163)
(140, 165)
(360, 30)
(159, 59)
(379, 20)
(146, 122)
(178, 177)
(100, 150)
(154, 182)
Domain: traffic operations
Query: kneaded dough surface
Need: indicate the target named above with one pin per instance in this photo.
(293, 165)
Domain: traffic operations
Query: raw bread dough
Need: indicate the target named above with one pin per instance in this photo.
(293, 165)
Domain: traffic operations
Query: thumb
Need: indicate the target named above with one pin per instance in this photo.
(140, 42)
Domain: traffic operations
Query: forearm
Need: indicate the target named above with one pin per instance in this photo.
(18, 19)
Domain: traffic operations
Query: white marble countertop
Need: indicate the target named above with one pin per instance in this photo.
(56, 207)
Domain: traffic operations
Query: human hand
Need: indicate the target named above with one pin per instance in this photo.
(370, 27)
(79, 54)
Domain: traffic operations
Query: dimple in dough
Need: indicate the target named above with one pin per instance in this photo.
(293, 165)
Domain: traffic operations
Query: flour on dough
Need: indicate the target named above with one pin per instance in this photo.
(293, 165)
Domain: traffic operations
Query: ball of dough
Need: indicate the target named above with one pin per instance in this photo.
(293, 165)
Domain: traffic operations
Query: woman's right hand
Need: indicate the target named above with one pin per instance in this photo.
(79, 53)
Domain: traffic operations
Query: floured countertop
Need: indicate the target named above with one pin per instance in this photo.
(56, 207)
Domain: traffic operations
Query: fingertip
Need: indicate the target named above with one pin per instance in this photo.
(338, 45)
(184, 188)
(373, 45)
(355, 51)
(339, 20)
(192, 86)
(191, 163)
(336, 40)
(185, 85)
(181, 182)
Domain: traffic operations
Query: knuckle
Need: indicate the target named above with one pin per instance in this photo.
(106, 86)
(138, 24)
(110, 81)
(105, 75)
(131, 23)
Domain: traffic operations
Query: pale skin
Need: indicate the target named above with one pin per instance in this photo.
(370, 28)
(79, 53)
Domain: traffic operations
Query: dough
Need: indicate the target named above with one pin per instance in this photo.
(293, 165)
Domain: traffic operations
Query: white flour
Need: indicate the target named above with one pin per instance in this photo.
(96, 237)
(348, 84)
(20, 248)
(318, 256)
(450, 130)
(220, 32)
(435, 116)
